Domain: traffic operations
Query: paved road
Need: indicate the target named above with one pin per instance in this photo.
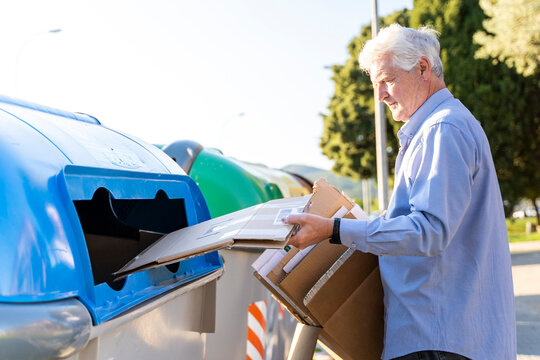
(526, 272)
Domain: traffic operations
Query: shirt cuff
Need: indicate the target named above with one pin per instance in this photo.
(353, 233)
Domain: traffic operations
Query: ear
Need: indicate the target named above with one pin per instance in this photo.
(425, 68)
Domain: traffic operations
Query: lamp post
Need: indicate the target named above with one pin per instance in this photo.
(23, 47)
(380, 130)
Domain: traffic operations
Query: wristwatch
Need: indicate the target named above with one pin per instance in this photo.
(335, 239)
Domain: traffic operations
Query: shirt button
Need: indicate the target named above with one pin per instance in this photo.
(353, 246)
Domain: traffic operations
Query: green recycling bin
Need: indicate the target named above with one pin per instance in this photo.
(229, 184)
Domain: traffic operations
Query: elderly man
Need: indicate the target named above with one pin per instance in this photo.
(442, 245)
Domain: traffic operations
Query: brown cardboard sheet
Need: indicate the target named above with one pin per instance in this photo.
(299, 281)
(327, 200)
(331, 293)
(357, 327)
(277, 274)
(348, 306)
(290, 305)
(257, 226)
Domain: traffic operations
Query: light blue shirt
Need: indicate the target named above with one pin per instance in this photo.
(443, 246)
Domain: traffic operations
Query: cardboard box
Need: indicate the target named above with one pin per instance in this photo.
(335, 288)
(356, 329)
(348, 306)
(304, 276)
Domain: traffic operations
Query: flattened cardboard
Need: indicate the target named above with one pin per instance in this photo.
(327, 200)
(299, 281)
(358, 326)
(286, 301)
(331, 295)
(328, 339)
(348, 305)
(277, 274)
(255, 226)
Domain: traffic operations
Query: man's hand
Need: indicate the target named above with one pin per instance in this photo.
(313, 229)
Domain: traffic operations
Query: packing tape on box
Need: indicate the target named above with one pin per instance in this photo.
(327, 275)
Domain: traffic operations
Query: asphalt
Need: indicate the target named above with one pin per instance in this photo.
(526, 273)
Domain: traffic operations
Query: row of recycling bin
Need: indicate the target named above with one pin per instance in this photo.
(80, 200)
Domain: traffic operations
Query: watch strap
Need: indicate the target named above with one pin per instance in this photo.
(335, 239)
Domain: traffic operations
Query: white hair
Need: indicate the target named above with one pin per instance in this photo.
(406, 46)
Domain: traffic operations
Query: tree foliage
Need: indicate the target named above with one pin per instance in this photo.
(349, 130)
(512, 34)
(503, 100)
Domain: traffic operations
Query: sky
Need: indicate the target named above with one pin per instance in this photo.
(249, 77)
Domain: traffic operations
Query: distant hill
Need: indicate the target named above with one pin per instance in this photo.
(351, 187)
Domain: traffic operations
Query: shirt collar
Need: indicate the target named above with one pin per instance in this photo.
(412, 125)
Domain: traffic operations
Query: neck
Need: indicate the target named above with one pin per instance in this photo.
(435, 85)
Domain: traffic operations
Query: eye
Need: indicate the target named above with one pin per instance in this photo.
(386, 82)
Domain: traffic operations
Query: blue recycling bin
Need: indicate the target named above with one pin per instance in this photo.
(78, 201)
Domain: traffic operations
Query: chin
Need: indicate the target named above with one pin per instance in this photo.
(398, 117)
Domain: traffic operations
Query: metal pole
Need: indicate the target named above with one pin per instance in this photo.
(380, 131)
(304, 342)
(366, 196)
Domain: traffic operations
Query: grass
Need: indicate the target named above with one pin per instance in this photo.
(516, 230)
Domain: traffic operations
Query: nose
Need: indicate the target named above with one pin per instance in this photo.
(382, 92)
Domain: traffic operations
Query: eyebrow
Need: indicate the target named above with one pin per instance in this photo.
(382, 76)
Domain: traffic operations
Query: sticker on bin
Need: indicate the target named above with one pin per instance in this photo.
(283, 213)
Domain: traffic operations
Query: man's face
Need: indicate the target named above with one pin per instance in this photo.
(400, 90)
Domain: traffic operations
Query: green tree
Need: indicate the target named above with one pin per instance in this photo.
(512, 34)
(505, 102)
(349, 131)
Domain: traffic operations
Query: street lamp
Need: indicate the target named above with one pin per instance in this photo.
(24, 45)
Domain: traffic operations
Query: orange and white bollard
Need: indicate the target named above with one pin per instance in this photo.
(256, 337)
(281, 312)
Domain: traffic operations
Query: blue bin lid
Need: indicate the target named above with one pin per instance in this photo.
(51, 158)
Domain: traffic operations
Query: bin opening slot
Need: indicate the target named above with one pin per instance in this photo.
(117, 230)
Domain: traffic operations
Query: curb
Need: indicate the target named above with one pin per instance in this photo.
(525, 247)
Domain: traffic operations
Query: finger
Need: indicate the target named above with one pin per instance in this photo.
(294, 219)
(291, 241)
(297, 241)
